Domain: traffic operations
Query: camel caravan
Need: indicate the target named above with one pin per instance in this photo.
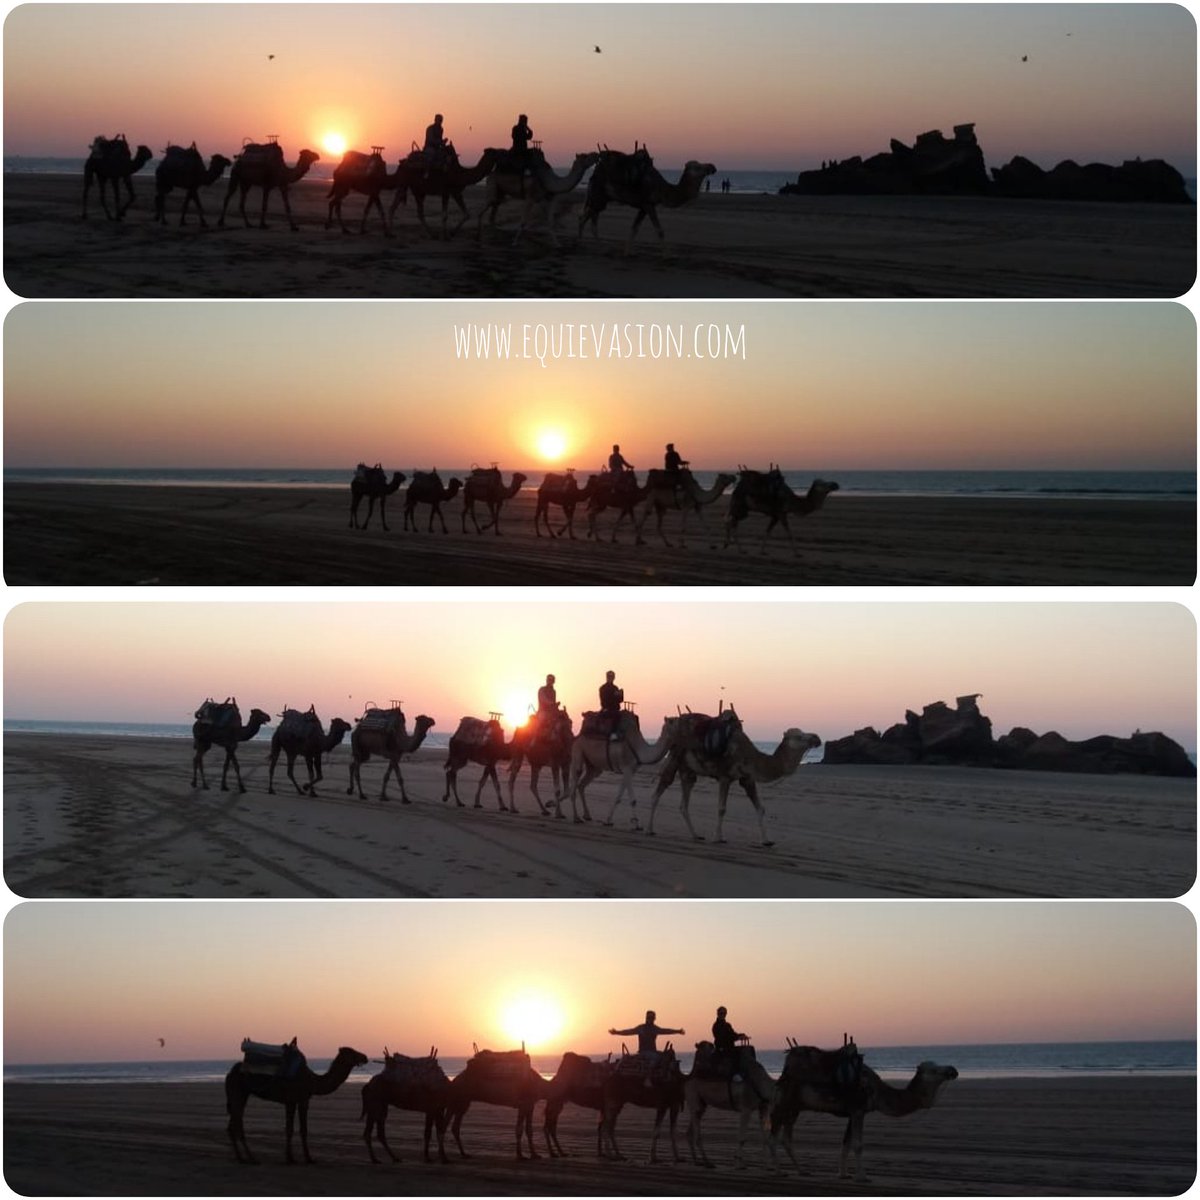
(432, 172)
(689, 746)
(730, 1079)
(766, 493)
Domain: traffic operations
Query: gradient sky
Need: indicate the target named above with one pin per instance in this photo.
(821, 387)
(1081, 669)
(780, 85)
(418, 974)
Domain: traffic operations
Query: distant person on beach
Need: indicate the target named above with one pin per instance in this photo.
(647, 1032)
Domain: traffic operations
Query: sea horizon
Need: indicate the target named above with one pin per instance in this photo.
(973, 1060)
(1010, 483)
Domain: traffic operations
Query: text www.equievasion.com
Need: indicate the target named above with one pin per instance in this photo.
(546, 343)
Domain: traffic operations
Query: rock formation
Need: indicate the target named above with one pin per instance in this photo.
(962, 736)
(939, 166)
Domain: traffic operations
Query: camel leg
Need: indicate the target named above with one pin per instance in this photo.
(303, 1108)
(379, 1126)
(356, 779)
(451, 785)
(287, 208)
(695, 1141)
(291, 772)
(455, 1126)
(687, 781)
(722, 801)
(394, 768)
(271, 761)
(231, 758)
(198, 768)
(535, 772)
(665, 779)
(750, 787)
(611, 1113)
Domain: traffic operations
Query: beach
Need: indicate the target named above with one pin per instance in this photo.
(94, 534)
(718, 246)
(1075, 1136)
(88, 816)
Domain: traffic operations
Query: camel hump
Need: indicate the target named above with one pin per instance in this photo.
(261, 152)
(177, 154)
(412, 1072)
(365, 474)
(382, 720)
(841, 1068)
(292, 721)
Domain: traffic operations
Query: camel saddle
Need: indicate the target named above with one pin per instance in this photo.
(500, 1064)
(371, 475)
(361, 166)
(264, 153)
(294, 723)
(841, 1068)
(474, 731)
(181, 155)
(219, 716)
(714, 732)
(282, 1060)
(382, 720)
(601, 724)
(488, 475)
(656, 1068)
(114, 145)
(412, 1072)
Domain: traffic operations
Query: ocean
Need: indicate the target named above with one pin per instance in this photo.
(1055, 1060)
(747, 182)
(1040, 484)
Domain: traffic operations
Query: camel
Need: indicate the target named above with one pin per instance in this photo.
(262, 166)
(427, 488)
(221, 725)
(749, 1092)
(379, 732)
(183, 167)
(542, 189)
(368, 175)
(492, 1077)
(615, 491)
(293, 1090)
(300, 733)
(485, 485)
(767, 492)
(815, 1080)
(661, 1090)
(109, 162)
(541, 747)
(414, 1084)
(563, 490)
(678, 491)
(735, 759)
(593, 753)
(372, 482)
(478, 741)
(633, 180)
(448, 180)
(579, 1081)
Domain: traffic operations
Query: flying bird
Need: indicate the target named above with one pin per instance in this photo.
(269, 56)
(1024, 57)
(597, 49)
(162, 1042)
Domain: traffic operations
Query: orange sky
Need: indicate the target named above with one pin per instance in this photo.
(440, 973)
(829, 668)
(766, 85)
(816, 387)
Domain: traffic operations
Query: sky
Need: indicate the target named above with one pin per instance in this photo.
(446, 973)
(779, 85)
(829, 668)
(816, 387)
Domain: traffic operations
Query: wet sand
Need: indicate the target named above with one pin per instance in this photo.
(763, 246)
(1103, 1136)
(85, 534)
(117, 817)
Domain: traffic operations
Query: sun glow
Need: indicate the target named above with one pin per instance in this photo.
(552, 444)
(334, 143)
(532, 1018)
(515, 710)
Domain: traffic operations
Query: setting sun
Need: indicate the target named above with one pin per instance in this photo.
(552, 444)
(532, 1018)
(334, 143)
(515, 710)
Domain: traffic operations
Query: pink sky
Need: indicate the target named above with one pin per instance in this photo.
(765, 85)
(417, 974)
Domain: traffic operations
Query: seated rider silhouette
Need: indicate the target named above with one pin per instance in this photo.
(725, 1046)
(521, 136)
(673, 461)
(547, 709)
(621, 471)
(437, 150)
(611, 697)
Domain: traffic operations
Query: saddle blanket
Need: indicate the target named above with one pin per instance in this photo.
(472, 731)
(501, 1064)
(365, 474)
(218, 715)
(295, 723)
(412, 1072)
(383, 720)
(272, 1058)
(261, 152)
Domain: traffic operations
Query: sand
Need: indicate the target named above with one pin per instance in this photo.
(720, 246)
(116, 817)
(1103, 1136)
(85, 534)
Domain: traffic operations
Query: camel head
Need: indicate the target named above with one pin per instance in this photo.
(350, 1058)
(424, 724)
(695, 173)
(258, 717)
(928, 1079)
(800, 742)
(820, 488)
(307, 158)
(339, 727)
